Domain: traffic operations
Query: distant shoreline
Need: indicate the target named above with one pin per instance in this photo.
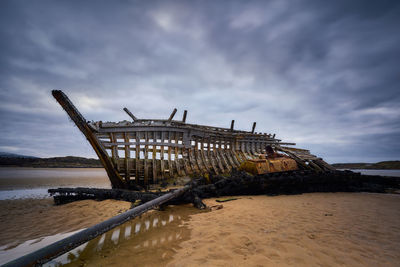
(80, 162)
(383, 165)
(100, 167)
(57, 162)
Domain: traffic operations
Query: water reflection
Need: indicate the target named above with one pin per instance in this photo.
(13, 251)
(149, 240)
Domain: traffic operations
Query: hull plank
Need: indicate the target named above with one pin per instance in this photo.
(127, 157)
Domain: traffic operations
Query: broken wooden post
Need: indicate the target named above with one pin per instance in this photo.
(254, 127)
(184, 115)
(172, 114)
(130, 114)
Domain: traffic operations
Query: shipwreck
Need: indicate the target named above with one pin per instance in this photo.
(143, 152)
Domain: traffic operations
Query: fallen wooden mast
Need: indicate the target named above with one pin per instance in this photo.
(141, 152)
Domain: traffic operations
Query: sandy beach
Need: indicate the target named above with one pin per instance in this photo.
(328, 229)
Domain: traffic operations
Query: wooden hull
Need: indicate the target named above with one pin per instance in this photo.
(143, 152)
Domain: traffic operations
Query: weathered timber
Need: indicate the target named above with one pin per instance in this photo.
(130, 114)
(66, 195)
(253, 128)
(143, 152)
(184, 116)
(172, 114)
(81, 123)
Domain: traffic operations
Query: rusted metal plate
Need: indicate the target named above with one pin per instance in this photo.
(262, 166)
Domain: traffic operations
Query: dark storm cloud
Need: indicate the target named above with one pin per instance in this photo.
(322, 74)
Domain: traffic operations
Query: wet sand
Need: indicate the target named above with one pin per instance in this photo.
(149, 240)
(27, 219)
(328, 229)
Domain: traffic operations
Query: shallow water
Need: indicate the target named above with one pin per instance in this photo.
(379, 172)
(11, 252)
(16, 183)
(149, 240)
(24, 193)
(146, 240)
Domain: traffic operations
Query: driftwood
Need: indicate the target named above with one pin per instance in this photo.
(66, 195)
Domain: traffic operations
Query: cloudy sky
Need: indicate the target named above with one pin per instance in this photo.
(323, 74)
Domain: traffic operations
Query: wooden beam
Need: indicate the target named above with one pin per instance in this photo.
(210, 157)
(184, 115)
(170, 167)
(127, 157)
(254, 127)
(186, 161)
(216, 156)
(203, 157)
(192, 161)
(172, 114)
(176, 152)
(202, 167)
(146, 159)
(81, 123)
(162, 155)
(220, 153)
(154, 163)
(130, 114)
(137, 160)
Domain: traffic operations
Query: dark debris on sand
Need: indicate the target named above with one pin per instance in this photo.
(242, 183)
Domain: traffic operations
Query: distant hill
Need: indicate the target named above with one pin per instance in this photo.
(12, 155)
(383, 165)
(57, 162)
